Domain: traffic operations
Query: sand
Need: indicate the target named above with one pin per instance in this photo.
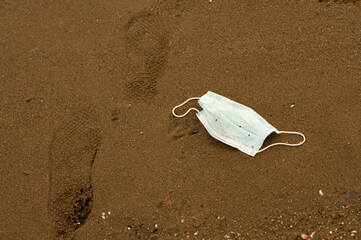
(89, 147)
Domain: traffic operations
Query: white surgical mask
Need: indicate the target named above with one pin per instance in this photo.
(234, 124)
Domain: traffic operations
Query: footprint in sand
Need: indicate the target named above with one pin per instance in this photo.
(180, 127)
(71, 156)
(146, 41)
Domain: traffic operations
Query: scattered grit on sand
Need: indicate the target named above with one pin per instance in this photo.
(90, 150)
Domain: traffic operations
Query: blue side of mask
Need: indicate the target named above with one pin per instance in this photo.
(233, 123)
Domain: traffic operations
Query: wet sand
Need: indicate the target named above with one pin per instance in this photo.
(90, 149)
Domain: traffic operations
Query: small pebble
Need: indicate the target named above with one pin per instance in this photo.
(30, 99)
(320, 192)
(103, 217)
(304, 236)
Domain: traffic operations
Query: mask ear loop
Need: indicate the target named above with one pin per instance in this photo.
(286, 144)
(179, 116)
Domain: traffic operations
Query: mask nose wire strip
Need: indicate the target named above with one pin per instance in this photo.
(179, 116)
(287, 144)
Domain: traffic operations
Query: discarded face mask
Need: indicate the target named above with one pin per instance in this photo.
(234, 124)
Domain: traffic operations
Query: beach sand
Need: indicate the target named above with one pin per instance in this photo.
(89, 148)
